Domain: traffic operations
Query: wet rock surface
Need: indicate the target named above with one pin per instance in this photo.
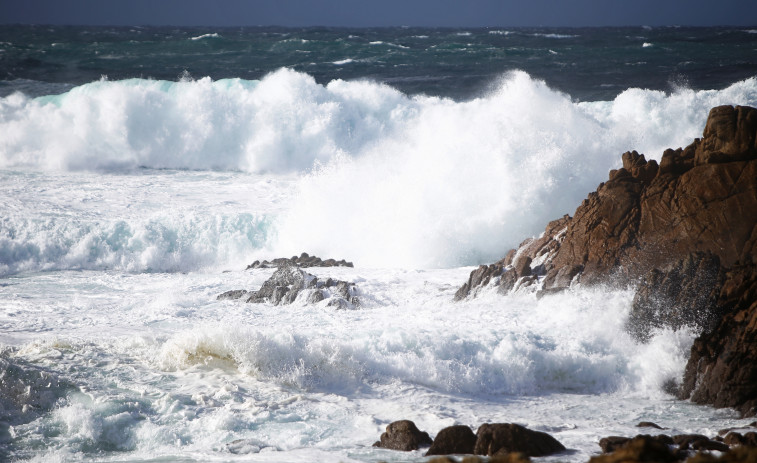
(684, 232)
(452, 440)
(492, 439)
(403, 435)
(289, 282)
(512, 443)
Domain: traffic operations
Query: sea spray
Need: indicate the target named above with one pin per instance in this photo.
(462, 182)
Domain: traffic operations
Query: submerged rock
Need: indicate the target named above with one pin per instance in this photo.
(403, 435)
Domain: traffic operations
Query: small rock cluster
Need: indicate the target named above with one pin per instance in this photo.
(512, 443)
(691, 448)
(304, 261)
(289, 282)
(494, 440)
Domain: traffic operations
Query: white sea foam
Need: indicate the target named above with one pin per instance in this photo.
(574, 343)
(387, 180)
(214, 35)
(164, 368)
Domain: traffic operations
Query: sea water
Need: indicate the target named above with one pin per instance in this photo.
(129, 202)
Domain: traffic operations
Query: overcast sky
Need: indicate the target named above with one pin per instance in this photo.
(361, 13)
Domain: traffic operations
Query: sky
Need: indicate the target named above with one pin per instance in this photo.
(367, 13)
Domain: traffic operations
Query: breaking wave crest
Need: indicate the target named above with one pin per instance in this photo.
(386, 179)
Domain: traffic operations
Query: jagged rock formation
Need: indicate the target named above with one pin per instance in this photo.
(685, 231)
(289, 281)
(304, 261)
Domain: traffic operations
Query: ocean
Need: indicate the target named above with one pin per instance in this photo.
(143, 168)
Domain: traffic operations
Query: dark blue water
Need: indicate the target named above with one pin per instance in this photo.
(588, 63)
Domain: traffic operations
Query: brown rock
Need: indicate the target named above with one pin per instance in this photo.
(698, 442)
(513, 457)
(451, 440)
(737, 455)
(403, 435)
(728, 136)
(479, 278)
(507, 437)
(640, 448)
(612, 443)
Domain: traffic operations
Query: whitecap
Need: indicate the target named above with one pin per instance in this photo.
(214, 35)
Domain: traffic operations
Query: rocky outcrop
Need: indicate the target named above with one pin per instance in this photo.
(649, 216)
(685, 233)
(289, 282)
(304, 261)
(403, 435)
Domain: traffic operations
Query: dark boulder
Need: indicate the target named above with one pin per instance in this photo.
(612, 443)
(638, 449)
(508, 437)
(735, 438)
(453, 440)
(403, 435)
(303, 261)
